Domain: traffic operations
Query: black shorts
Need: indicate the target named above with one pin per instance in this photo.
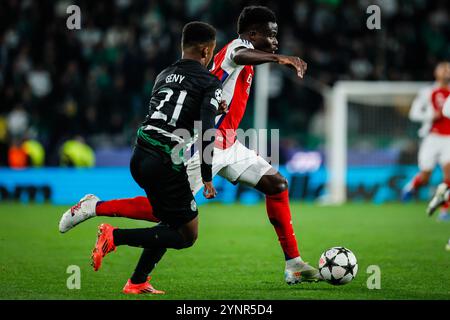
(167, 187)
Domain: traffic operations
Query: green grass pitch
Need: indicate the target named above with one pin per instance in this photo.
(237, 255)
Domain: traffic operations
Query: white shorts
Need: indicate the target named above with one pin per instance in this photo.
(236, 164)
(435, 149)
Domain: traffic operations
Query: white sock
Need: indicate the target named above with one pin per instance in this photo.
(291, 263)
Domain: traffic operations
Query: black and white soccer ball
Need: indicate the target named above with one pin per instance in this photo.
(338, 266)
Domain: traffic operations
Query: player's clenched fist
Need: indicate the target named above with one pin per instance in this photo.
(297, 63)
(209, 191)
(223, 107)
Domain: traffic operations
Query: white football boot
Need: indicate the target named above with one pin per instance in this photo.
(440, 197)
(83, 210)
(297, 271)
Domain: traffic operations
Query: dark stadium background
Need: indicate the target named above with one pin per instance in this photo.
(95, 83)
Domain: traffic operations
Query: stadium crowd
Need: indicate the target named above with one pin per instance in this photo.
(93, 85)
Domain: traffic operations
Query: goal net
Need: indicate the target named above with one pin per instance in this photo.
(368, 126)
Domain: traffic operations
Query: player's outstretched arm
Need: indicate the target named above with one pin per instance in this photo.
(246, 56)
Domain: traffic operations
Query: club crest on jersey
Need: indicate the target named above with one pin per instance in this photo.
(193, 205)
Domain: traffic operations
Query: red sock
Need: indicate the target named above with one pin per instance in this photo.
(280, 216)
(138, 208)
(417, 181)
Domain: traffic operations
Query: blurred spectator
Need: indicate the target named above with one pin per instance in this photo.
(76, 153)
(35, 153)
(39, 81)
(17, 122)
(27, 153)
(3, 142)
(17, 156)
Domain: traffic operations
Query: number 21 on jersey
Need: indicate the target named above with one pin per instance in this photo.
(158, 114)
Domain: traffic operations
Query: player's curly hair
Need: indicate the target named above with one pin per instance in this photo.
(254, 16)
(197, 32)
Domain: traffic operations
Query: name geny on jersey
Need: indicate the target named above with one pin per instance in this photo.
(173, 77)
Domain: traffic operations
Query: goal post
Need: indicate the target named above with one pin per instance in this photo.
(373, 94)
(261, 113)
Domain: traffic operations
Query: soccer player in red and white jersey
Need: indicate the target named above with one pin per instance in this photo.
(443, 190)
(442, 194)
(435, 147)
(233, 65)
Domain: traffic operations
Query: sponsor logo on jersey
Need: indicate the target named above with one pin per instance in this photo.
(193, 205)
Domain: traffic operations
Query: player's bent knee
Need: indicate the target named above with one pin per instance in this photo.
(188, 240)
(184, 244)
(191, 239)
(280, 185)
(190, 243)
(272, 184)
(187, 244)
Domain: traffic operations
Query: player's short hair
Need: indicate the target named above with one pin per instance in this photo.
(254, 16)
(196, 32)
(442, 63)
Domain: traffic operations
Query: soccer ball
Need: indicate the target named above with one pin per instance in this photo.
(338, 266)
